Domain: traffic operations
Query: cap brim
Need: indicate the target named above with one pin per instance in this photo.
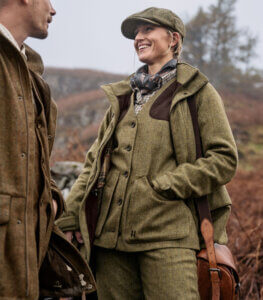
(129, 26)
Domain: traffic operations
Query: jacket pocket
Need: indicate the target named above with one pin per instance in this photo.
(154, 218)
(13, 252)
(109, 188)
(5, 201)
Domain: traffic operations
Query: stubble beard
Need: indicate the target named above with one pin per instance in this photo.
(38, 33)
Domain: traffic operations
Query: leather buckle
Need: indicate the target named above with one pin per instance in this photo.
(216, 270)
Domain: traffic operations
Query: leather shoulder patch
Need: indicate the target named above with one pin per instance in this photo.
(160, 109)
(124, 103)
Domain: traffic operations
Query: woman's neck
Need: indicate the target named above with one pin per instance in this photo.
(156, 67)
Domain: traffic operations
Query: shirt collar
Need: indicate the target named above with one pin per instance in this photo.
(10, 37)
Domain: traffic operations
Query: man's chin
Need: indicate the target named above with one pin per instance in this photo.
(40, 35)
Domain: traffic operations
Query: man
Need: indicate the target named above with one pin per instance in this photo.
(29, 199)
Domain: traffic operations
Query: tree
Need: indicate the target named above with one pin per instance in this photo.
(215, 44)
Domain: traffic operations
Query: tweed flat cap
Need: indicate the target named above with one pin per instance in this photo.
(153, 15)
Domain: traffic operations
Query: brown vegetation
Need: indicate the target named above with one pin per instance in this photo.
(245, 230)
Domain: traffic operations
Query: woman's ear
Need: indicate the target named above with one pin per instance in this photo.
(175, 39)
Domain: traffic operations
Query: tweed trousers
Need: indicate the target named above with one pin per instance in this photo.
(169, 274)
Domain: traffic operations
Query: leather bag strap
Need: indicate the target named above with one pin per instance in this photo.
(205, 219)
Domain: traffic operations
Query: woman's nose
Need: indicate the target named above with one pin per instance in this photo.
(139, 35)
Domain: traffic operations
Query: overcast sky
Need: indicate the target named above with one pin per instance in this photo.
(86, 33)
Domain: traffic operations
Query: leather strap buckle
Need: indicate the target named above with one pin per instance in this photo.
(216, 270)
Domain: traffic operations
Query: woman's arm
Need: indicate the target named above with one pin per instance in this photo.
(69, 221)
(219, 163)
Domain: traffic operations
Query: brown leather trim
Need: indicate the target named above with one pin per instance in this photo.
(124, 103)
(160, 109)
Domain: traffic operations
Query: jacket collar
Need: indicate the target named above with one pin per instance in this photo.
(190, 79)
(114, 90)
(33, 62)
(6, 33)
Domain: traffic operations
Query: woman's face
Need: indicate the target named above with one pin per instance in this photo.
(153, 44)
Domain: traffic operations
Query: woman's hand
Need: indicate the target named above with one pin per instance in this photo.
(70, 234)
(55, 207)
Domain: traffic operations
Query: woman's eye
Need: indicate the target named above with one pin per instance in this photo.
(148, 28)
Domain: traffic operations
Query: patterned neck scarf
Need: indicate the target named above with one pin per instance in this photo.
(147, 83)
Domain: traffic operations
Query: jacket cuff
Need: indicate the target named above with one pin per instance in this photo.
(69, 223)
(161, 186)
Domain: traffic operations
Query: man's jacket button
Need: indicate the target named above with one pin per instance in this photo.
(126, 174)
(120, 202)
(133, 124)
(128, 148)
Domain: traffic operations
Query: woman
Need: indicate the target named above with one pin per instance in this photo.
(134, 198)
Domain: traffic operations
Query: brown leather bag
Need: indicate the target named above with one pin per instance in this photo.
(217, 274)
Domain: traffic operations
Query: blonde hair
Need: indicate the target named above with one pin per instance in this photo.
(178, 48)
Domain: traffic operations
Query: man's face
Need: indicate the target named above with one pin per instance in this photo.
(41, 13)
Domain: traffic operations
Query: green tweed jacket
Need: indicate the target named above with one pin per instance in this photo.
(168, 219)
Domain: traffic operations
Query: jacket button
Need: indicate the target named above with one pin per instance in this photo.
(128, 148)
(126, 174)
(120, 202)
(133, 124)
(20, 98)
(19, 222)
(49, 137)
(23, 155)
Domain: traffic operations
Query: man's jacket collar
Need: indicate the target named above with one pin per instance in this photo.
(33, 62)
